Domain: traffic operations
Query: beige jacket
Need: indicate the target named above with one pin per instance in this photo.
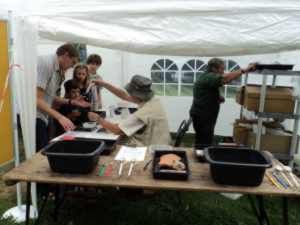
(156, 129)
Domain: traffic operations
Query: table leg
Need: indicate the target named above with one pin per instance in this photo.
(28, 201)
(41, 210)
(179, 198)
(254, 209)
(263, 214)
(285, 211)
(59, 199)
(260, 212)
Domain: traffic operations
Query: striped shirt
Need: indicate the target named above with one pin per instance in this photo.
(49, 79)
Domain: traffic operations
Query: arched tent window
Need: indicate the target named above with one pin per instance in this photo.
(229, 91)
(164, 75)
(230, 66)
(190, 71)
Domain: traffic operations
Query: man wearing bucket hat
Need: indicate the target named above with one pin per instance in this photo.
(148, 125)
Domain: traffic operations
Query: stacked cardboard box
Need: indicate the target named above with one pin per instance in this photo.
(275, 141)
(278, 99)
(240, 132)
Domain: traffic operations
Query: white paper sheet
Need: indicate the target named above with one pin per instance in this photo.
(131, 154)
(90, 135)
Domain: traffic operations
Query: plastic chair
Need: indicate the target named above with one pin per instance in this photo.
(183, 128)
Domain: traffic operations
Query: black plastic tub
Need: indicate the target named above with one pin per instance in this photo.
(237, 166)
(170, 174)
(76, 156)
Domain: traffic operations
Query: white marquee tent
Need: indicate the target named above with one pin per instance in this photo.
(197, 28)
(160, 27)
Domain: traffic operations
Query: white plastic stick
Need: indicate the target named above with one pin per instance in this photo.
(130, 169)
(294, 179)
(289, 170)
(121, 168)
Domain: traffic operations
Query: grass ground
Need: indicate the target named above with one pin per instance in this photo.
(162, 208)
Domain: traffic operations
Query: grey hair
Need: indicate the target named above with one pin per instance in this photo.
(214, 63)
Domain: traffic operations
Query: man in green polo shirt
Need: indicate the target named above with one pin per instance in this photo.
(207, 99)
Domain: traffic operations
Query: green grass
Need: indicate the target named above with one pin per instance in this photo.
(163, 208)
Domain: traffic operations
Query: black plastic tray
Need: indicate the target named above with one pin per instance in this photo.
(237, 166)
(274, 66)
(100, 113)
(81, 128)
(158, 174)
(130, 109)
(75, 156)
(109, 146)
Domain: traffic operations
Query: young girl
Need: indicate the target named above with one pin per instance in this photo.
(80, 77)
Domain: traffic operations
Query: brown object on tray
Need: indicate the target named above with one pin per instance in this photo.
(171, 161)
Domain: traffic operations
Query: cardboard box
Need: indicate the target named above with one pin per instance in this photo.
(275, 143)
(240, 133)
(239, 98)
(278, 99)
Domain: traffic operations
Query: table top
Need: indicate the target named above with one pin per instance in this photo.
(37, 170)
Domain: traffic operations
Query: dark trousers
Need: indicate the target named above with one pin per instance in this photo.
(42, 139)
(204, 127)
(42, 135)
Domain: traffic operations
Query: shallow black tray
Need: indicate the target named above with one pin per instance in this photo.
(158, 174)
(109, 146)
(81, 128)
(274, 66)
(130, 109)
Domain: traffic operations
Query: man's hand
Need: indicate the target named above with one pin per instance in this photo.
(251, 67)
(221, 99)
(80, 103)
(66, 123)
(93, 116)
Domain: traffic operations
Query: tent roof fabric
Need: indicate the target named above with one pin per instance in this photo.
(168, 27)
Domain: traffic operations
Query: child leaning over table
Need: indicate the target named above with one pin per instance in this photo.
(76, 114)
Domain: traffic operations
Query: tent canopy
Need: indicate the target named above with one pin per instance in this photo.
(169, 27)
(160, 27)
